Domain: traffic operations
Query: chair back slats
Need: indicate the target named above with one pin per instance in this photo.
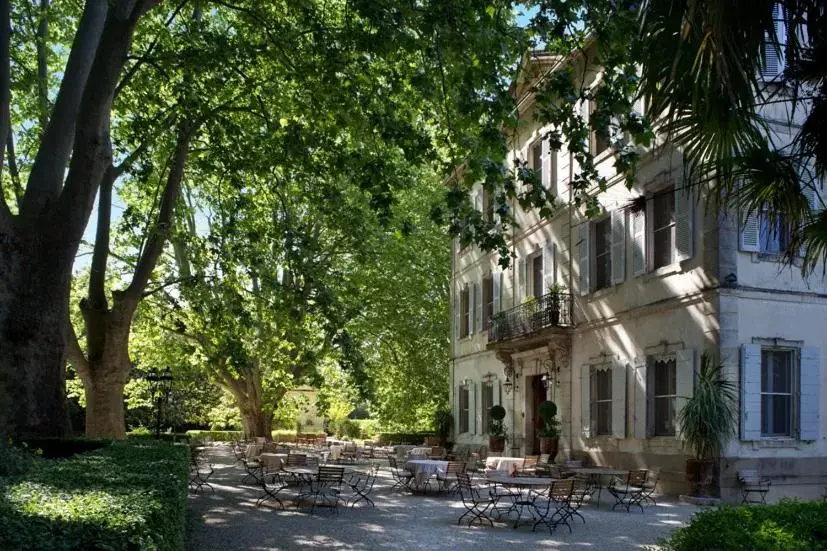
(530, 461)
(544, 458)
(637, 477)
(330, 475)
(296, 460)
(561, 490)
(455, 467)
(749, 476)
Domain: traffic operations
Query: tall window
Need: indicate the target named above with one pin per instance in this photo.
(537, 160)
(601, 407)
(777, 372)
(464, 414)
(597, 143)
(465, 313)
(487, 301)
(487, 206)
(773, 234)
(664, 390)
(487, 402)
(537, 276)
(602, 254)
(663, 228)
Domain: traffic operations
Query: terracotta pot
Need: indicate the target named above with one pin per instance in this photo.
(496, 443)
(551, 446)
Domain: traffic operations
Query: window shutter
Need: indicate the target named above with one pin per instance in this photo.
(498, 388)
(684, 380)
(750, 231)
(810, 394)
(640, 397)
(457, 314)
(478, 307)
(809, 191)
(545, 162)
(521, 280)
(549, 266)
(684, 216)
(495, 291)
(750, 392)
(618, 252)
(457, 411)
(583, 250)
(585, 401)
(774, 53)
(638, 222)
(619, 400)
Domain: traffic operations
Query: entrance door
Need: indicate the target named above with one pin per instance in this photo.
(538, 396)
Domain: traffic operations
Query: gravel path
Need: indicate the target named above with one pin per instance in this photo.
(228, 519)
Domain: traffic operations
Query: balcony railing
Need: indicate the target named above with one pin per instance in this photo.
(550, 310)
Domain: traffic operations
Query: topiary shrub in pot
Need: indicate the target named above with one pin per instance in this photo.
(707, 421)
(496, 429)
(550, 431)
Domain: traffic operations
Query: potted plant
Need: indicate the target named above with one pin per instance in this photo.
(550, 432)
(555, 291)
(443, 423)
(531, 309)
(496, 429)
(707, 421)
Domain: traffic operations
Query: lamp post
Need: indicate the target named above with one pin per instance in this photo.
(161, 386)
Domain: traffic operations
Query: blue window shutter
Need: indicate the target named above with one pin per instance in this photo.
(809, 401)
(750, 392)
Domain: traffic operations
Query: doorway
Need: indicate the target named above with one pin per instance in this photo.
(538, 396)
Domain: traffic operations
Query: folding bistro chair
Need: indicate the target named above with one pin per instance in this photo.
(630, 492)
(475, 505)
(252, 464)
(200, 471)
(446, 482)
(650, 485)
(401, 477)
(362, 486)
(278, 482)
(554, 510)
(753, 483)
(326, 488)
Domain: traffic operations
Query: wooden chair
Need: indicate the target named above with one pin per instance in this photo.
(446, 482)
(650, 486)
(553, 511)
(401, 477)
(629, 492)
(326, 488)
(437, 452)
(753, 483)
(296, 460)
(475, 504)
(529, 466)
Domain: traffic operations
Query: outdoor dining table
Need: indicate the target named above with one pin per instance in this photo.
(596, 474)
(273, 461)
(523, 482)
(504, 463)
(422, 470)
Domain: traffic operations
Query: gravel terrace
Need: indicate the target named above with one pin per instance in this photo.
(228, 519)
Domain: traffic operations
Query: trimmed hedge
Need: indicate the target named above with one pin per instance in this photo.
(131, 495)
(234, 435)
(414, 438)
(164, 436)
(788, 526)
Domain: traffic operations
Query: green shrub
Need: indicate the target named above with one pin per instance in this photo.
(14, 460)
(368, 428)
(56, 448)
(165, 436)
(216, 435)
(788, 526)
(130, 495)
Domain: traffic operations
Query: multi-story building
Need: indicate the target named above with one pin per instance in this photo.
(649, 285)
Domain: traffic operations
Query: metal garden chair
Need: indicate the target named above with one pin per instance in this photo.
(475, 504)
(631, 491)
(753, 483)
(554, 510)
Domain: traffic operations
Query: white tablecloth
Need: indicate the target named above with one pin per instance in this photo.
(503, 463)
(426, 466)
(422, 451)
(335, 453)
(273, 461)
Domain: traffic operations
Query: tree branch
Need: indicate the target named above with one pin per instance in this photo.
(100, 256)
(160, 233)
(76, 356)
(14, 173)
(55, 148)
(43, 65)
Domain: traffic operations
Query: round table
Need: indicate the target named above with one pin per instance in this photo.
(504, 463)
(523, 482)
(596, 474)
(422, 470)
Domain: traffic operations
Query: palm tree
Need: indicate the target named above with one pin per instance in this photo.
(707, 73)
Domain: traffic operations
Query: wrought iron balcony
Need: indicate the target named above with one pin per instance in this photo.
(550, 310)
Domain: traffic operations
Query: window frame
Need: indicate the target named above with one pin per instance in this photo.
(464, 311)
(650, 381)
(597, 401)
(486, 401)
(593, 283)
(671, 227)
(595, 139)
(464, 405)
(781, 231)
(794, 378)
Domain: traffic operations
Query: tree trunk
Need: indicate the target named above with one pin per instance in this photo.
(104, 409)
(257, 423)
(34, 290)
